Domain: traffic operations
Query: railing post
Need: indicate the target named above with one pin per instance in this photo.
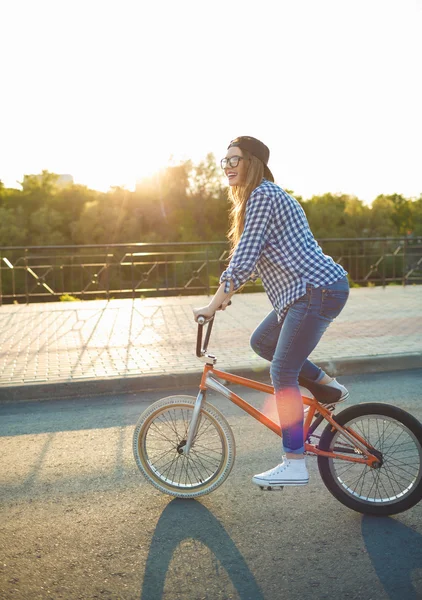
(358, 250)
(1, 286)
(81, 282)
(132, 273)
(106, 275)
(383, 263)
(404, 260)
(207, 271)
(71, 276)
(166, 272)
(26, 275)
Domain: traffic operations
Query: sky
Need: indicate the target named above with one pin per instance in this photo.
(111, 91)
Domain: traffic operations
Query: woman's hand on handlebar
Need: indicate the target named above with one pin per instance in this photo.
(208, 311)
(204, 311)
(220, 301)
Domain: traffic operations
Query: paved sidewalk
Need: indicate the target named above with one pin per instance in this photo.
(79, 348)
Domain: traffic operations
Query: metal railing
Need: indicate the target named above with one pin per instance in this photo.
(44, 273)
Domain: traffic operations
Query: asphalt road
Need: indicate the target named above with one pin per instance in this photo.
(78, 520)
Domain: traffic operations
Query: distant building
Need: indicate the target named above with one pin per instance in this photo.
(65, 180)
(62, 180)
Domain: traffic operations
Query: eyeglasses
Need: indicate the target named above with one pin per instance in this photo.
(233, 161)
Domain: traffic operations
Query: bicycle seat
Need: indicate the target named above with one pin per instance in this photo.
(322, 393)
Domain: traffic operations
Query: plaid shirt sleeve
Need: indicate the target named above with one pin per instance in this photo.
(259, 210)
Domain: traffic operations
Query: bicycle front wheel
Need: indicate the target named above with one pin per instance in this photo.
(395, 486)
(160, 435)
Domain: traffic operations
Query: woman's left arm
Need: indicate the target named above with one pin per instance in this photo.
(242, 265)
(255, 235)
(219, 301)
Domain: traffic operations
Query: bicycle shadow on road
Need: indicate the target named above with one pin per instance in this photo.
(186, 520)
(396, 552)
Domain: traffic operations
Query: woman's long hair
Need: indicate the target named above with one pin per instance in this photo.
(239, 194)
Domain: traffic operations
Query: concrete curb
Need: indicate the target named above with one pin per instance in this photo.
(167, 381)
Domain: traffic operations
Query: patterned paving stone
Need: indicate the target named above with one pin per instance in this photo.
(59, 342)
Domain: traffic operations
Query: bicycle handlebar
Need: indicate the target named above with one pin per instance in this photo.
(200, 351)
(201, 320)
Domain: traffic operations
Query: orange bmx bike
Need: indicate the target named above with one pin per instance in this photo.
(369, 455)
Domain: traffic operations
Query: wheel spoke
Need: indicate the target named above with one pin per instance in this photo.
(164, 441)
(401, 469)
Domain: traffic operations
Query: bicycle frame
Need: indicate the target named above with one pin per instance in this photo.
(209, 382)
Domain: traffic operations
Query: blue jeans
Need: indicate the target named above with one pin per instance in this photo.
(288, 343)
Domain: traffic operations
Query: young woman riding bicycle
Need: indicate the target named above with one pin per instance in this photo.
(271, 238)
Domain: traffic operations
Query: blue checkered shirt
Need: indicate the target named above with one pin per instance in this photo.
(277, 245)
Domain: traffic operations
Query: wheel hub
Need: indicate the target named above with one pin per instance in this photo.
(180, 447)
(378, 455)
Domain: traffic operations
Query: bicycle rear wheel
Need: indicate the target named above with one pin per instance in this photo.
(395, 486)
(160, 435)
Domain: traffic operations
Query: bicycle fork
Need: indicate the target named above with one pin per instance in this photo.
(194, 423)
(196, 415)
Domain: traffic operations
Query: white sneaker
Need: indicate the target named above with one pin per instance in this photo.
(289, 472)
(344, 391)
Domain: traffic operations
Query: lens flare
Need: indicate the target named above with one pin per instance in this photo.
(269, 408)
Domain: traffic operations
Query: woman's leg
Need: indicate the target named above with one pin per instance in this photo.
(302, 328)
(301, 331)
(264, 339)
(272, 339)
(264, 342)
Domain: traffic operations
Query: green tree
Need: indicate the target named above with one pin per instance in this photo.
(13, 231)
(356, 218)
(402, 214)
(155, 203)
(185, 202)
(207, 202)
(380, 218)
(392, 215)
(326, 215)
(38, 190)
(46, 227)
(416, 210)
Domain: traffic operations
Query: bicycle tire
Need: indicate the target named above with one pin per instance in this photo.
(397, 485)
(161, 432)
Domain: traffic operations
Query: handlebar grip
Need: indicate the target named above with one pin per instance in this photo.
(201, 319)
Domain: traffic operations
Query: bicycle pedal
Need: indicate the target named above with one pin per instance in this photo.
(330, 407)
(271, 488)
